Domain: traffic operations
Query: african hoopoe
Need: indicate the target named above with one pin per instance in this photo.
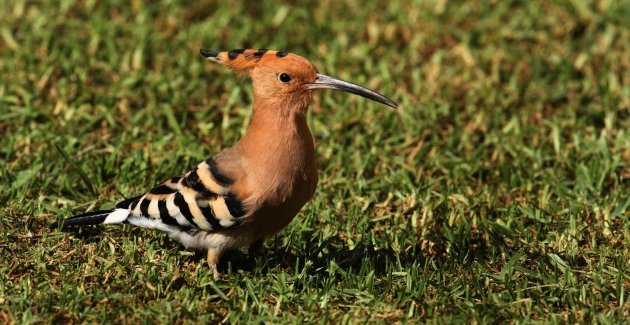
(251, 191)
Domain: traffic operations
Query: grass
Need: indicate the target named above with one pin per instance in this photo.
(499, 191)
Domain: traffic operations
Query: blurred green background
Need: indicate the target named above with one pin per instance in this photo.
(498, 191)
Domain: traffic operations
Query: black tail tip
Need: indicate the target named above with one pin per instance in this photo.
(85, 219)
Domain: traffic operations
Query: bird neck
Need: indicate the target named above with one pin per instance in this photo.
(278, 131)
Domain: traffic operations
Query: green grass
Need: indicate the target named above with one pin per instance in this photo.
(499, 191)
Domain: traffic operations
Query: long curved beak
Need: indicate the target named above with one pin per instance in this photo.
(326, 82)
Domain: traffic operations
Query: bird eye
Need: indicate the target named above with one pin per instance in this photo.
(284, 77)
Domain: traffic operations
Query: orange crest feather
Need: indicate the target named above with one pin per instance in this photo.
(242, 60)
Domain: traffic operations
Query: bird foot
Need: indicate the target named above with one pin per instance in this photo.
(213, 260)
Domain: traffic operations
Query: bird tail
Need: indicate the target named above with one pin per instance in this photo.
(117, 215)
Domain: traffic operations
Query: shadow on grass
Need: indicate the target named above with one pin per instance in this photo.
(350, 260)
(320, 257)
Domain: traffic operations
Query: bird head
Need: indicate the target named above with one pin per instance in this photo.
(285, 78)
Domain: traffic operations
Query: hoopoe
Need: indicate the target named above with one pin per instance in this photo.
(253, 190)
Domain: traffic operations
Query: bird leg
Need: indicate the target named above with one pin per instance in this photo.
(256, 248)
(213, 260)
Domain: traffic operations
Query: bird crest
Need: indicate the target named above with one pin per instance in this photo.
(242, 59)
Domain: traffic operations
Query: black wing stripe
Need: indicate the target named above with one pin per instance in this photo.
(164, 215)
(180, 202)
(163, 189)
(192, 180)
(134, 204)
(234, 205)
(128, 202)
(210, 217)
(216, 174)
(144, 207)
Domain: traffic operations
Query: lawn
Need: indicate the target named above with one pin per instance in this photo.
(498, 191)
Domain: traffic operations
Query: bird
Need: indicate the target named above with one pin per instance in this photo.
(248, 192)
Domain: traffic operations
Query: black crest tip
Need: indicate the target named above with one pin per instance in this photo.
(208, 53)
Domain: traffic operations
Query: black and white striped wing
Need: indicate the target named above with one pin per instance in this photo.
(199, 199)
